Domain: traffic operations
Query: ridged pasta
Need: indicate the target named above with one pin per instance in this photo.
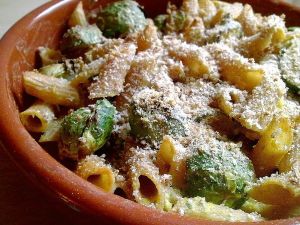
(273, 145)
(112, 74)
(52, 132)
(146, 183)
(94, 169)
(236, 69)
(272, 190)
(171, 160)
(37, 117)
(56, 91)
(78, 17)
(49, 56)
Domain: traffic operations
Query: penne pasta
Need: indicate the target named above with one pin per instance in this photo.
(207, 11)
(291, 161)
(148, 38)
(249, 20)
(272, 190)
(197, 61)
(146, 183)
(52, 90)
(234, 9)
(258, 44)
(52, 132)
(171, 159)
(49, 56)
(89, 71)
(191, 8)
(112, 75)
(78, 17)
(54, 70)
(236, 69)
(94, 169)
(38, 117)
(273, 145)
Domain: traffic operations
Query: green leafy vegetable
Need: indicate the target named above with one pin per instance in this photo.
(220, 177)
(87, 129)
(121, 18)
(154, 123)
(99, 127)
(80, 38)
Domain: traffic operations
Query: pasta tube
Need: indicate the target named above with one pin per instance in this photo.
(52, 90)
(208, 10)
(54, 70)
(112, 75)
(277, 190)
(148, 38)
(266, 210)
(78, 17)
(273, 145)
(255, 46)
(88, 71)
(233, 9)
(147, 187)
(94, 169)
(291, 161)
(37, 117)
(236, 69)
(52, 133)
(197, 60)
(170, 160)
(249, 20)
(49, 56)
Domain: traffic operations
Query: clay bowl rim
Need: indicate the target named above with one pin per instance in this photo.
(63, 183)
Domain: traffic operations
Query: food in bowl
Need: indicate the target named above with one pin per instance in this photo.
(195, 111)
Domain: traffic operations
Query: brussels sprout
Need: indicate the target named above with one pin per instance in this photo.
(86, 130)
(99, 127)
(289, 64)
(154, 123)
(221, 177)
(78, 39)
(121, 18)
(73, 126)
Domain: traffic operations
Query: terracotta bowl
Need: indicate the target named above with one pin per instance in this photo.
(44, 27)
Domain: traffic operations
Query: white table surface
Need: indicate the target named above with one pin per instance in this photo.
(13, 10)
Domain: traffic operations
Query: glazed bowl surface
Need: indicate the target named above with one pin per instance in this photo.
(44, 27)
